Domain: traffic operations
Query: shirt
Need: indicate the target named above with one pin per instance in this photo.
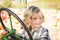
(40, 33)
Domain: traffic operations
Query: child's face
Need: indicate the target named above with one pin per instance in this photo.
(36, 20)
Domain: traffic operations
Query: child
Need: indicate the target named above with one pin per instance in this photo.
(34, 18)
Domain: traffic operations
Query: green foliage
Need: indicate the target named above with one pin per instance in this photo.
(48, 0)
(22, 4)
(7, 3)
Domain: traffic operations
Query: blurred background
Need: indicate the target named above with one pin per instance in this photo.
(50, 9)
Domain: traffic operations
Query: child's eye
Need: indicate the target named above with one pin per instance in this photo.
(33, 18)
(36, 18)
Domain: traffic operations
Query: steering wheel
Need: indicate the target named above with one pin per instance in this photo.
(20, 21)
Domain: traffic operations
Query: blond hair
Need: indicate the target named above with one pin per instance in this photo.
(29, 12)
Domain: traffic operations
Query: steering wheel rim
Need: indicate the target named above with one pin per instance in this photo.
(20, 21)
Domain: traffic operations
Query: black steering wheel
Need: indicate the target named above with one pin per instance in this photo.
(14, 15)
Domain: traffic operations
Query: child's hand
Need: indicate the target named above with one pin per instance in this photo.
(2, 33)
